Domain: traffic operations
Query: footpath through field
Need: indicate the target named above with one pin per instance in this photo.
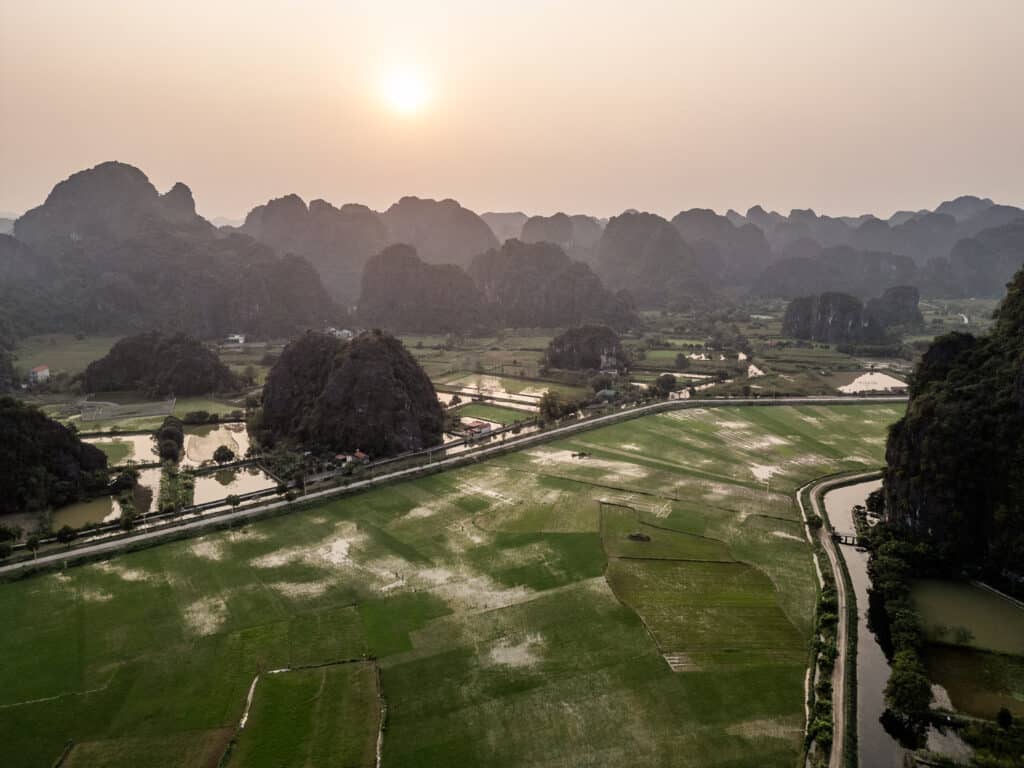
(179, 528)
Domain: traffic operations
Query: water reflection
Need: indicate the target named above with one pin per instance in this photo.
(875, 746)
(215, 486)
(201, 442)
(141, 448)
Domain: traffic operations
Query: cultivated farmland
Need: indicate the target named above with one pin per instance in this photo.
(637, 595)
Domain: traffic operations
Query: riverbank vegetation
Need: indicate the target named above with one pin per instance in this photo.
(176, 488)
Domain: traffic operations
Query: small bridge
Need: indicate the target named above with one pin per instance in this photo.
(849, 538)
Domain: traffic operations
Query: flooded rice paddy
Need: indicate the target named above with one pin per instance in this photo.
(103, 509)
(214, 486)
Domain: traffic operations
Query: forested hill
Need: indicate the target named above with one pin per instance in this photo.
(160, 365)
(44, 463)
(106, 252)
(403, 293)
(955, 470)
(367, 394)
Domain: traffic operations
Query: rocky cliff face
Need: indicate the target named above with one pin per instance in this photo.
(832, 318)
(337, 241)
(441, 231)
(160, 366)
(368, 394)
(982, 265)
(955, 461)
(807, 268)
(737, 253)
(589, 347)
(505, 225)
(577, 235)
(109, 253)
(537, 285)
(645, 255)
(112, 201)
(898, 306)
(401, 292)
(555, 229)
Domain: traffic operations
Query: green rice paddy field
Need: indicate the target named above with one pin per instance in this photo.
(649, 604)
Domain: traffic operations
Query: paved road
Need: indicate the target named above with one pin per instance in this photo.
(818, 490)
(220, 519)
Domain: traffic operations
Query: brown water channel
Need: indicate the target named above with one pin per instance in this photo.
(875, 747)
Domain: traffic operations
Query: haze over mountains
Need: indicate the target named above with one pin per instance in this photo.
(107, 252)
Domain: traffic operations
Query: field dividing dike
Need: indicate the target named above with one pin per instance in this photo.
(225, 758)
(55, 697)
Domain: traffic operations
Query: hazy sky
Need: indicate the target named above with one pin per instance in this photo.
(586, 106)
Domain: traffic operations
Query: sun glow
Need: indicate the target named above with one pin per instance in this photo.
(405, 91)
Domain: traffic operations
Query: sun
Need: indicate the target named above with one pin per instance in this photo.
(405, 91)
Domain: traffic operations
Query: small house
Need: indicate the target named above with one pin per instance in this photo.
(39, 374)
(235, 338)
(478, 428)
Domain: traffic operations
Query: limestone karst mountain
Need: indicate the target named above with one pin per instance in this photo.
(832, 318)
(966, 412)
(587, 347)
(366, 394)
(110, 253)
(337, 241)
(441, 231)
(403, 293)
(537, 284)
(645, 255)
(505, 225)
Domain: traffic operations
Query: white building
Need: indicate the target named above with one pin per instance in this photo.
(39, 374)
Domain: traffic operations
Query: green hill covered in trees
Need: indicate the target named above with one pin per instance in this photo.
(366, 394)
(44, 464)
(160, 365)
(589, 347)
(955, 474)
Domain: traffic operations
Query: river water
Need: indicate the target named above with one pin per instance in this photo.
(876, 748)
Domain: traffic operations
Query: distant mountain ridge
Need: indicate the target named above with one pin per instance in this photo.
(337, 241)
(403, 293)
(763, 251)
(517, 285)
(106, 252)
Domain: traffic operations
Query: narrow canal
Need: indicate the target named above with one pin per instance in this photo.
(876, 748)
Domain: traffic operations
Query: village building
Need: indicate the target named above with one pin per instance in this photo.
(478, 428)
(39, 374)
